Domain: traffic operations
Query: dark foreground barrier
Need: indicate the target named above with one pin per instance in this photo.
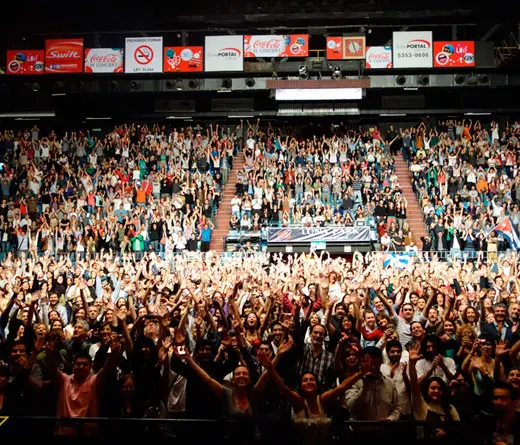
(43, 430)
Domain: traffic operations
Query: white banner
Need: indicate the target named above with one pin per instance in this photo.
(412, 49)
(104, 60)
(224, 53)
(378, 57)
(144, 55)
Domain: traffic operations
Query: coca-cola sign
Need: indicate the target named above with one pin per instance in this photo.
(294, 45)
(64, 56)
(104, 60)
(379, 57)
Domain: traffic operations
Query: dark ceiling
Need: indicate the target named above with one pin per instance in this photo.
(61, 16)
(106, 24)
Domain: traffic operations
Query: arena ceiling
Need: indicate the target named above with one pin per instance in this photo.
(59, 16)
(105, 24)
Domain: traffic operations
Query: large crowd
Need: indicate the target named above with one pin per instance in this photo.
(99, 318)
(316, 181)
(305, 337)
(466, 178)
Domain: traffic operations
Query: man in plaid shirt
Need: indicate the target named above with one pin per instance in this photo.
(315, 359)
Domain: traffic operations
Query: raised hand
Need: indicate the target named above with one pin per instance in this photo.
(115, 344)
(501, 348)
(167, 342)
(264, 360)
(179, 337)
(415, 354)
(286, 347)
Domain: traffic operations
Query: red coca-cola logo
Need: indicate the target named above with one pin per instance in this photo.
(107, 58)
(267, 44)
(379, 57)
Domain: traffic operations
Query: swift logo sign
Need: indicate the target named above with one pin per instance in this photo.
(64, 56)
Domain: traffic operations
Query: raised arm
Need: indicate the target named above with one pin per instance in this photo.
(112, 362)
(419, 405)
(333, 394)
(215, 387)
(293, 397)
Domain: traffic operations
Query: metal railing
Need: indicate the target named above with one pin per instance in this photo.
(263, 430)
(452, 255)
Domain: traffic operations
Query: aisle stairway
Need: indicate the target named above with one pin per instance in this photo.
(224, 211)
(414, 215)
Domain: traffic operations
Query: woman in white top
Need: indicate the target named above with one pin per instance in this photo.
(245, 222)
(308, 404)
(495, 132)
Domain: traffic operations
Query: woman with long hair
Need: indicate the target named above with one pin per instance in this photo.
(309, 402)
(431, 398)
(238, 396)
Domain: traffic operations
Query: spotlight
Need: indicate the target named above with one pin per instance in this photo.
(193, 84)
(58, 85)
(250, 82)
(226, 84)
(336, 73)
(114, 86)
(460, 79)
(303, 73)
(80, 86)
(35, 87)
(483, 79)
(472, 80)
(170, 84)
(179, 86)
(424, 80)
(400, 80)
(134, 85)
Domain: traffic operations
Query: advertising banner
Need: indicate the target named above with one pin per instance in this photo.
(144, 55)
(379, 57)
(25, 61)
(334, 48)
(224, 53)
(293, 45)
(412, 49)
(104, 60)
(291, 235)
(453, 54)
(64, 56)
(183, 59)
(354, 47)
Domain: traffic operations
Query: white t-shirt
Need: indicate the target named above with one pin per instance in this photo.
(423, 366)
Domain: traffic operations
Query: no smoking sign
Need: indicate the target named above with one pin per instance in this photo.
(143, 55)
